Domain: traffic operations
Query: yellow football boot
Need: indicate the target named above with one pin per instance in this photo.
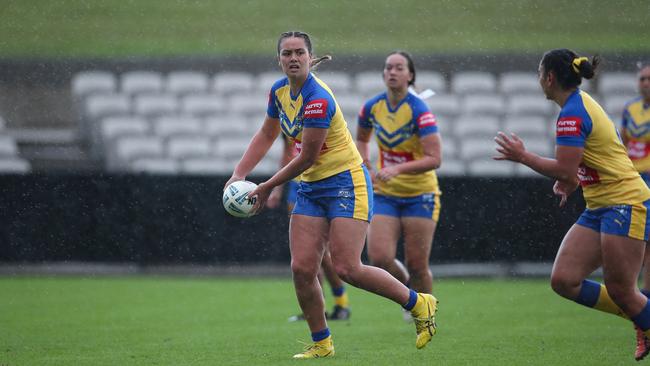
(324, 348)
(424, 317)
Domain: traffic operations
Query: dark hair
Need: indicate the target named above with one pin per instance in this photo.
(568, 67)
(295, 34)
(307, 39)
(409, 62)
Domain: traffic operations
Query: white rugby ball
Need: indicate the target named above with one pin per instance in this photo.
(236, 200)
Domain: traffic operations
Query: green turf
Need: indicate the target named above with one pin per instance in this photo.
(116, 28)
(167, 321)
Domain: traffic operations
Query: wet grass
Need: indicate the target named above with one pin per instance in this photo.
(179, 321)
(160, 28)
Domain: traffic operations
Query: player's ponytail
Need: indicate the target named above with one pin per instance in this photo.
(584, 68)
(568, 67)
(316, 61)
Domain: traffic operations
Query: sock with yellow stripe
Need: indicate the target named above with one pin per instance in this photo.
(341, 297)
(594, 295)
(321, 335)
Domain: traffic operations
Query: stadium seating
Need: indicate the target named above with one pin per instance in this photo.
(87, 83)
(445, 104)
(614, 105)
(431, 80)
(529, 104)
(339, 82)
(115, 127)
(10, 160)
(487, 104)
(172, 126)
(155, 104)
(186, 147)
(512, 83)
(617, 83)
(8, 146)
(468, 82)
(202, 104)
(127, 149)
(527, 126)
(187, 122)
(369, 83)
(136, 82)
(184, 82)
(233, 82)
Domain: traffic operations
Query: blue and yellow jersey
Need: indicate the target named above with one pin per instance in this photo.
(398, 133)
(291, 145)
(315, 107)
(606, 173)
(636, 122)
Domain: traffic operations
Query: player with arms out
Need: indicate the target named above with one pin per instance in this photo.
(612, 231)
(334, 196)
(406, 193)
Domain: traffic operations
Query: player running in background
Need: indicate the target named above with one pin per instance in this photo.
(341, 309)
(635, 132)
(613, 229)
(334, 196)
(406, 192)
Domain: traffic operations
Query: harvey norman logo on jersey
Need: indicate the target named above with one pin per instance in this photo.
(315, 109)
(568, 126)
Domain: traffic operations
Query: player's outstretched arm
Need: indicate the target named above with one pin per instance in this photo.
(257, 149)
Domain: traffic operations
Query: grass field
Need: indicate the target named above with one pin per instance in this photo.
(179, 321)
(152, 27)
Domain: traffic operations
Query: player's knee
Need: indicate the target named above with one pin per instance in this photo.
(345, 270)
(420, 272)
(418, 269)
(562, 285)
(303, 271)
(380, 260)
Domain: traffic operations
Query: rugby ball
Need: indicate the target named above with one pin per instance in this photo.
(236, 200)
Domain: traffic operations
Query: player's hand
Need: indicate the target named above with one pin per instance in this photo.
(385, 174)
(261, 195)
(233, 178)
(373, 176)
(275, 198)
(563, 190)
(511, 148)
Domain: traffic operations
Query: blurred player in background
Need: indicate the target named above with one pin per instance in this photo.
(406, 192)
(341, 309)
(613, 229)
(635, 132)
(334, 196)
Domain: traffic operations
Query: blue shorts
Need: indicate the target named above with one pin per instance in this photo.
(292, 192)
(622, 220)
(424, 205)
(347, 194)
